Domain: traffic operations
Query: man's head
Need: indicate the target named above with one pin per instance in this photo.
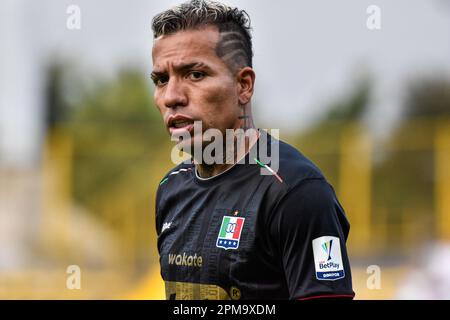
(202, 66)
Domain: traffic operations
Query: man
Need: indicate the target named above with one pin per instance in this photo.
(227, 229)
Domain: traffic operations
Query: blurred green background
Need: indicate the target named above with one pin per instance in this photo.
(86, 198)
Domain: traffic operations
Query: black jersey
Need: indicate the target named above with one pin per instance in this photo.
(244, 235)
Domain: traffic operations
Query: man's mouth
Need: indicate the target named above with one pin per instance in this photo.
(181, 123)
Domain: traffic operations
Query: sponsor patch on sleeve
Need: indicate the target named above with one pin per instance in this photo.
(328, 258)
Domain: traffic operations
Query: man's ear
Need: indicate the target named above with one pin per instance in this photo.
(246, 83)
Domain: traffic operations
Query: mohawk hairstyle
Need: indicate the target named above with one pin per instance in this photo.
(235, 41)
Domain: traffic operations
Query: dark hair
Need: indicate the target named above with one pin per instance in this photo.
(235, 43)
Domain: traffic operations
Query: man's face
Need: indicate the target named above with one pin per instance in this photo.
(193, 83)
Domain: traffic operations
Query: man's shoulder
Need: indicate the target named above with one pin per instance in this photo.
(294, 167)
(181, 168)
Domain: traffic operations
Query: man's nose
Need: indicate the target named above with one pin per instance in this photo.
(174, 95)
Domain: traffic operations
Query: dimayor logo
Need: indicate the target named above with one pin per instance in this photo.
(328, 258)
(327, 248)
(230, 232)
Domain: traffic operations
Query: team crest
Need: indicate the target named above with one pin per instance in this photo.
(230, 232)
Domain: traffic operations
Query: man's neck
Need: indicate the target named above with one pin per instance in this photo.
(239, 152)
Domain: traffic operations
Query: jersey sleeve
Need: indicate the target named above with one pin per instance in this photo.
(158, 218)
(310, 230)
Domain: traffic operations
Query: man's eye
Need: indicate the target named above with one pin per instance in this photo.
(160, 81)
(196, 75)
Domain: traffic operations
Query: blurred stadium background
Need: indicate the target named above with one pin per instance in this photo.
(82, 146)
